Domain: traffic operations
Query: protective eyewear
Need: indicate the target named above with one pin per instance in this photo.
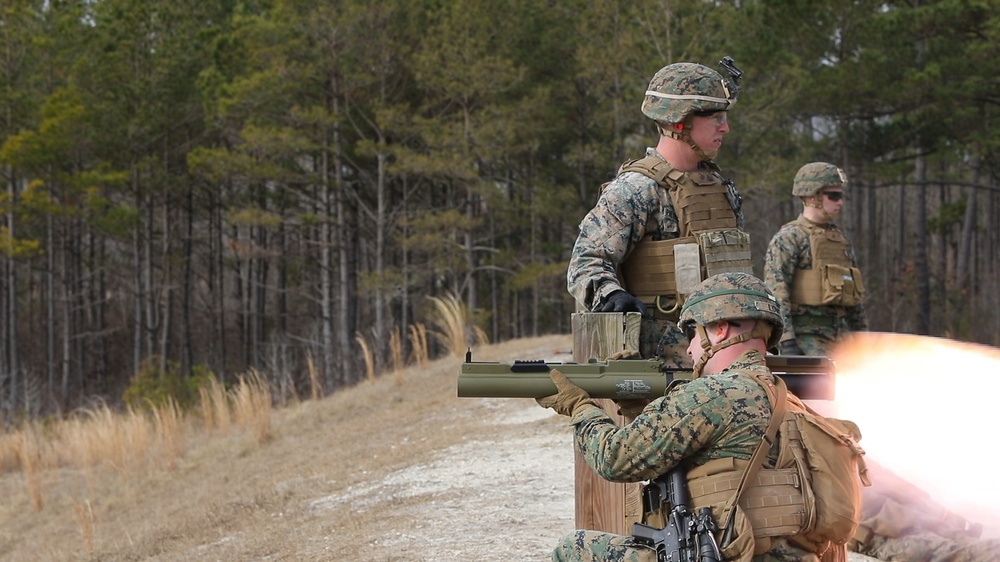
(720, 117)
(688, 330)
(834, 195)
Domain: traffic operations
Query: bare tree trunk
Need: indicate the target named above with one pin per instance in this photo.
(167, 304)
(50, 308)
(261, 296)
(344, 323)
(966, 241)
(186, 351)
(216, 286)
(380, 229)
(326, 265)
(404, 257)
(137, 319)
(922, 269)
(11, 343)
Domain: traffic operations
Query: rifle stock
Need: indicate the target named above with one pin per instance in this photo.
(808, 377)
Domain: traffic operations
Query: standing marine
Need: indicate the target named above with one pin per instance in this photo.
(668, 219)
(811, 268)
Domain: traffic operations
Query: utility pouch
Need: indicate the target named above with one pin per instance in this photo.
(842, 286)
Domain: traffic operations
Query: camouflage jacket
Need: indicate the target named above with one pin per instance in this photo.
(788, 251)
(724, 415)
(630, 207)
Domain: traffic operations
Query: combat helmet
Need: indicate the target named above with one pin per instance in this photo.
(683, 88)
(732, 296)
(816, 176)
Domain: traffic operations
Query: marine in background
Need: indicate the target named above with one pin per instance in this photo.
(811, 268)
(623, 259)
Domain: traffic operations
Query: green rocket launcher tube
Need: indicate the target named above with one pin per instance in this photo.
(808, 377)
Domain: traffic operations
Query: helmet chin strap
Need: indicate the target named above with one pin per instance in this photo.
(761, 330)
(812, 201)
(685, 136)
(711, 349)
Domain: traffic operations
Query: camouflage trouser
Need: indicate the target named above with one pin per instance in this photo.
(929, 547)
(663, 339)
(595, 546)
(897, 526)
(814, 344)
(817, 335)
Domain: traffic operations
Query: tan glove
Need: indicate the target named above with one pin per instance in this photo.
(631, 408)
(568, 398)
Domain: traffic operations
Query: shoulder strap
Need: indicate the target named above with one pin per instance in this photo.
(777, 393)
(651, 166)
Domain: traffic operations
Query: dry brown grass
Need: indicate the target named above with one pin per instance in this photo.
(418, 341)
(170, 428)
(252, 405)
(215, 408)
(396, 350)
(454, 325)
(30, 455)
(230, 499)
(85, 519)
(315, 388)
(366, 354)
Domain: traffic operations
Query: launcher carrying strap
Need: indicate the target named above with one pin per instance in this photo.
(777, 393)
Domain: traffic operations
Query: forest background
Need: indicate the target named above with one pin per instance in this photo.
(293, 188)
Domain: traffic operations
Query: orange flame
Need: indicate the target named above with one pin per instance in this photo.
(924, 406)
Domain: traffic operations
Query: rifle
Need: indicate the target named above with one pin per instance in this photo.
(807, 376)
(686, 537)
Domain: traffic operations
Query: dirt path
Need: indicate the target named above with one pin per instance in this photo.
(395, 470)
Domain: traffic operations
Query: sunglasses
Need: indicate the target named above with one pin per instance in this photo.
(834, 195)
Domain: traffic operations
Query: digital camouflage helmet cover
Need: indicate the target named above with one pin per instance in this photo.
(816, 176)
(683, 88)
(732, 296)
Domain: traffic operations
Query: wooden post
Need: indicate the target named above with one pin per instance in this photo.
(602, 505)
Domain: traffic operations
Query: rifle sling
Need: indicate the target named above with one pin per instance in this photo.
(776, 392)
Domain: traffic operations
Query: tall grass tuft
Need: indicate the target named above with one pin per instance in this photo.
(10, 451)
(315, 388)
(418, 341)
(450, 322)
(214, 404)
(100, 436)
(366, 353)
(396, 351)
(453, 325)
(169, 420)
(85, 518)
(252, 405)
(30, 455)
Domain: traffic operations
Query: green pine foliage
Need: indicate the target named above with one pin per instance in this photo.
(251, 185)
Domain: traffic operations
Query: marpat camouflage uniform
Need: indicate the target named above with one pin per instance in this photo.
(814, 328)
(900, 521)
(724, 415)
(630, 207)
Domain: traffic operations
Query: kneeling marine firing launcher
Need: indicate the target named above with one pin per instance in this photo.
(808, 377)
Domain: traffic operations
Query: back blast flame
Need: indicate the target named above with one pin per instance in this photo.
(926, 408)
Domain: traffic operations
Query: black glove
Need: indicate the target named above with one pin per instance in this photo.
(621, 301)
(789, 347)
